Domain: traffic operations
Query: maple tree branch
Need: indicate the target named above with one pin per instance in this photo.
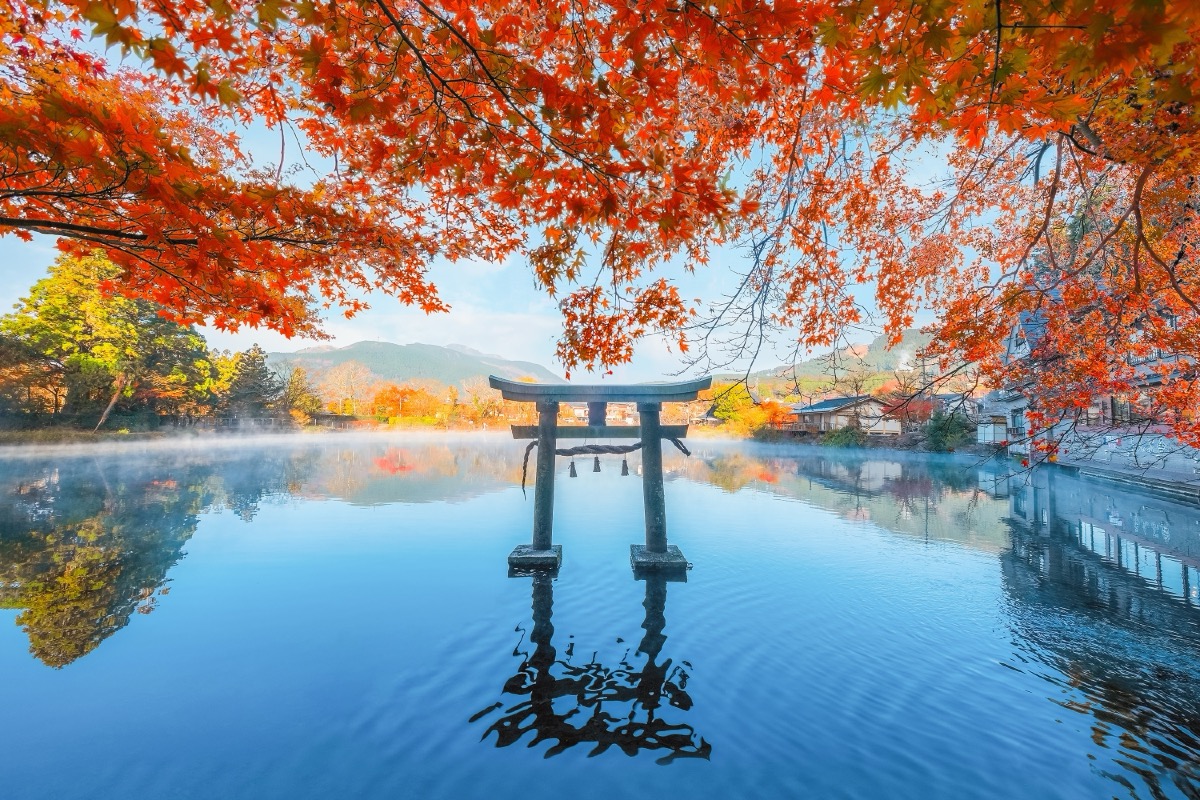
(1092, 139)
(996, 58)
(98, 234)
(70, 228)
(1032, 27)
(722, 25)
(1045, 224)
(494, 81)
(194, 287)
(1142, 240)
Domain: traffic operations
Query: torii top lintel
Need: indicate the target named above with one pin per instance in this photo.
(600, 393)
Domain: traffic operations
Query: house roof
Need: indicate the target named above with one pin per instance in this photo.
(832, 404)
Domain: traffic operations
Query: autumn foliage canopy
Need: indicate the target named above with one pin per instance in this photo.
(601, 140)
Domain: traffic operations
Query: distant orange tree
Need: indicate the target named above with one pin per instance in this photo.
(600, 140)
(406, 401)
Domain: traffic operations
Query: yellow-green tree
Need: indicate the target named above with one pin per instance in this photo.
(91, 349)
(299, 398)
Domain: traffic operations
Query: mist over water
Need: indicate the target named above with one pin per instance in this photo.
(210, 442)
(331, 615)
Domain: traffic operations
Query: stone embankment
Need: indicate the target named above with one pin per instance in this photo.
(1149, 461)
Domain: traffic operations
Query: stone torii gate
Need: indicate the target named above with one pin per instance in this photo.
(656, 554)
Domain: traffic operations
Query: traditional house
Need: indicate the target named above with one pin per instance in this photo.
(614, 413)
(621, 414)
(1002, 413)
(1001, 417)
(956, 403)
(864, 411)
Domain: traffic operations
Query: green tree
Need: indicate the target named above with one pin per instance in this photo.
(255, 389)
(945, 432)
(90, 350)
(27, 382)
(739, 411)
(849, 436)
(731, 401)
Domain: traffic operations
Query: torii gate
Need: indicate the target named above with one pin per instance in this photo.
(656, 554)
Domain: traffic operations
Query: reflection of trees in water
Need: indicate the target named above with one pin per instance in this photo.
(869, 474)
(82, 547)
(729, 471)
(417, 471)
(1130, 649)
(591, 703)
(247, 480)
(86, 543)
(933, 497)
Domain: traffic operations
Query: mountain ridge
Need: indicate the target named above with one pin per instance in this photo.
(874, 356)
(451, 366)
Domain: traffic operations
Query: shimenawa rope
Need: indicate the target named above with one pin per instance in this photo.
(592, 449)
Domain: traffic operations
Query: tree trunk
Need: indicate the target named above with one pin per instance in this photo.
(116, 394)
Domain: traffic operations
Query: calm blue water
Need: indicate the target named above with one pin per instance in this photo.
(333, 617)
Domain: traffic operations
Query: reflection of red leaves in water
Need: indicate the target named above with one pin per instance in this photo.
(767, 476)
(394, 462)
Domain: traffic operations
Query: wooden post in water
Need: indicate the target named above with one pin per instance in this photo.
(543, 490)
(652, 478)
(542, 554)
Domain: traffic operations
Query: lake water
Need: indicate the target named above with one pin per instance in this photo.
(316, 617)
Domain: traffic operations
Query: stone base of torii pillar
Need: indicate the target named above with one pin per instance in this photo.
(528, 557)
(670, 563)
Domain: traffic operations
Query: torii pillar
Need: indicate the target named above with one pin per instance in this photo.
(656, 554)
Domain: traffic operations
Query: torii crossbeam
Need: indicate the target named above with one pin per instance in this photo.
(656, 554)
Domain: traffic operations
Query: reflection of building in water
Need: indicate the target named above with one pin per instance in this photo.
(1154, 539)
(592, 703)
(1089, 576)
(865, 476)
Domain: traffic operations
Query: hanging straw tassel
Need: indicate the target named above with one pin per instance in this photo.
(624, 468)
(596, 466)
(571, 472)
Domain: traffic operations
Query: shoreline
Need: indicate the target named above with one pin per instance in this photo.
(1158, 480)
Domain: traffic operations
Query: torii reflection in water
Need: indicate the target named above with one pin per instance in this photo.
(636, 695)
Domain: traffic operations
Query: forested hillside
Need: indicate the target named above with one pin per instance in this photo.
(449, 366)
